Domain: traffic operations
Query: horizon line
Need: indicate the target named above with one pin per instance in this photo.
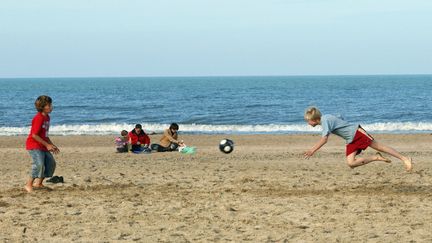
(222, 75)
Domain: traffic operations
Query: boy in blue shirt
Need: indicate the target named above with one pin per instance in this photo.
(357, 139)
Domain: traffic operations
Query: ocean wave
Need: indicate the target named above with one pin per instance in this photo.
(115, 128)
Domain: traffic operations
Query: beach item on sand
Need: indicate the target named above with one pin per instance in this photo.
(56, 179)
(226, 146)
(187, 150)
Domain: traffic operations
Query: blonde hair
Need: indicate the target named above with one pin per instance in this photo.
(312, 113)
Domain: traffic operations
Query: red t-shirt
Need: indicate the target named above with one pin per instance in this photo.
(40, 127)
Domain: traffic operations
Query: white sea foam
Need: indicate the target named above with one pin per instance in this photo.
(399, 127)
(115, 128)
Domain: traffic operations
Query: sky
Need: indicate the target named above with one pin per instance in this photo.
(114, 38)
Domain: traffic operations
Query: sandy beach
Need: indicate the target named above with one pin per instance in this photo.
(262, 192)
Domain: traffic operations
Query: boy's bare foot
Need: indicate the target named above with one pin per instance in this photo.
(380, 157)
(28, 188)
(41, 187)
(408, 164)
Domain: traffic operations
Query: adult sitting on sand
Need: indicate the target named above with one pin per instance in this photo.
(169, 140)
(138, 139)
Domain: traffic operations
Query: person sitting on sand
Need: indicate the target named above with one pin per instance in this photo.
(356, 137)
(122, 142)
(138, 139)
(169, 140)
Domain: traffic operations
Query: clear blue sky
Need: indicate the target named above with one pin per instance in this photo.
(76, 38)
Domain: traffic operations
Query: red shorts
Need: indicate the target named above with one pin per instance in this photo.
(359, 143)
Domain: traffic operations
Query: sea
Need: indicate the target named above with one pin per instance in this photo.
(218, 105)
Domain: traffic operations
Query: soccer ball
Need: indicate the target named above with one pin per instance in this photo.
(226, 146)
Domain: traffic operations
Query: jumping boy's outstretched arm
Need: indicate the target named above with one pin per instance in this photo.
(316, 147)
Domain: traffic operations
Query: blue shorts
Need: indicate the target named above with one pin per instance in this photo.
(43, 164)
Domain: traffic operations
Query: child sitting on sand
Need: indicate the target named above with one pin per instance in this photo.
(39, 145)
(122, 142)
(169, 140)
(356, 137)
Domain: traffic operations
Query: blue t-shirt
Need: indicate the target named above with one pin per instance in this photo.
(335, 125)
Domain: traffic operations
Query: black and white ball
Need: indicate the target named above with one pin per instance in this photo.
(226, 146)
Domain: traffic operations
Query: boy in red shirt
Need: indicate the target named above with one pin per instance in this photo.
(40, 146)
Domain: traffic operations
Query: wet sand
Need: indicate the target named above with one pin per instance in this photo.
(262, 192)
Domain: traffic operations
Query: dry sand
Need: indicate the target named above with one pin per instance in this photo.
(262, 192)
